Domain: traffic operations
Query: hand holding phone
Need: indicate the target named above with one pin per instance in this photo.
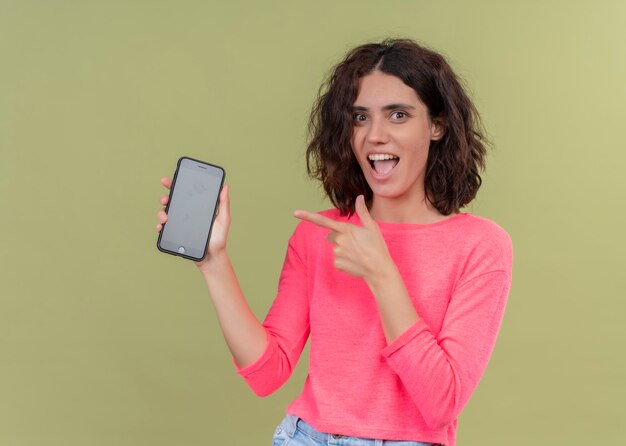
(192, 225)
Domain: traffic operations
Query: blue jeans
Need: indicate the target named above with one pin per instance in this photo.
(294, 431)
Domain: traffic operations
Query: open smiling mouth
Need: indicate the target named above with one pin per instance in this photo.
(382, 164)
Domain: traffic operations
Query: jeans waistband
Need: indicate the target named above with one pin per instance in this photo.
(292, 422)
(310, 430)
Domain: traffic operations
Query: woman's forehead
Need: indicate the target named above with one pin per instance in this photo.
(378, 90)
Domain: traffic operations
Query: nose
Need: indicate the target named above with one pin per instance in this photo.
(377, 132)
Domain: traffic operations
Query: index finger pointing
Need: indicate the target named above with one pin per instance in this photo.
(318, 219)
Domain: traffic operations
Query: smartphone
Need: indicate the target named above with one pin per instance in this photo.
(191, 209)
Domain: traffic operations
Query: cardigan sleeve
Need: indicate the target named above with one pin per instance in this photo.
(286, 324)
(440, 372)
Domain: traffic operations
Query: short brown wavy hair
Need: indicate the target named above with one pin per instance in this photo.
(454, 162)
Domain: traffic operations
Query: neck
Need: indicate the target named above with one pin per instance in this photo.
(405, 209)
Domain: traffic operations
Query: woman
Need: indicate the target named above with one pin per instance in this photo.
(401, 294)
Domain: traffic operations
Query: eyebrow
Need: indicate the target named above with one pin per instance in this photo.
(385, 108)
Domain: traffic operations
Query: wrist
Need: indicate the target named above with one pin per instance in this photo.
(213, 263)
(382, 276)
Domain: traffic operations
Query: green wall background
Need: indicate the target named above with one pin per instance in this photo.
(106, 341)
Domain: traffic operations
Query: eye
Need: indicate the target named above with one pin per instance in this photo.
(358, 117)
(399, 114)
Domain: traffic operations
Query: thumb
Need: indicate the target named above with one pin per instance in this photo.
(362, 212)
(224, 202)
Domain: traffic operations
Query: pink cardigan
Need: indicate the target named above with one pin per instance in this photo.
(458, 274)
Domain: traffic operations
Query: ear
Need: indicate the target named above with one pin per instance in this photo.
(437, 128)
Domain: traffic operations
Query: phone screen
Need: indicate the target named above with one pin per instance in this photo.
(191, 208)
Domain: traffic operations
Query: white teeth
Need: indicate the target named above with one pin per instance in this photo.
(381, 156)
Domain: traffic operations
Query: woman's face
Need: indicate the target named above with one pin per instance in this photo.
(390, 121)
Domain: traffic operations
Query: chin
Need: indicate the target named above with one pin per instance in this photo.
(392, 191)
(385, 192)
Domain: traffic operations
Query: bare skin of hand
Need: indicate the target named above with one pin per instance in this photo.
(359, 251)
(219, 233)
